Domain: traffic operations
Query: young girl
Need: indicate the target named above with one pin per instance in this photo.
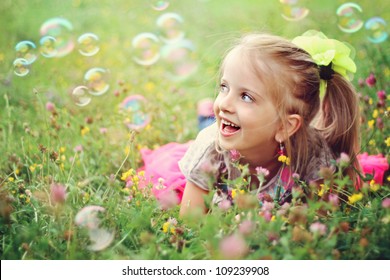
(271, 116)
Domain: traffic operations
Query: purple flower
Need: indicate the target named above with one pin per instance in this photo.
(78, 148)
(371, 80)
(57, 193)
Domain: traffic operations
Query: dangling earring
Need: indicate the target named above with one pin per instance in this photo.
(281, 149)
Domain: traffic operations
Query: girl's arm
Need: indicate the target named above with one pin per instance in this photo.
(192, 199)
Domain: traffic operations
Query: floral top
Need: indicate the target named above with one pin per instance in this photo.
(204, 166)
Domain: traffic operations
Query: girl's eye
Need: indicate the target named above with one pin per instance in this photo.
(223, 88)
(246, 97)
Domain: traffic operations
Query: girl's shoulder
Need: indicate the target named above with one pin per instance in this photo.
(201, 161)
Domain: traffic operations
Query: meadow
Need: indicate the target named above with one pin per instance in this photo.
(79, 104)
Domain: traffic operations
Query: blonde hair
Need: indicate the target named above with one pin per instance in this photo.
(293, 83)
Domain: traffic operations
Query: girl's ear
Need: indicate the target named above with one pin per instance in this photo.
(293, 123)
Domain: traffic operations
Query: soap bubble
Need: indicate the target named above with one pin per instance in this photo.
(134, 107)
(146, 48)
(159, 5)
(293, 11)
(88, 218)
(80, 96)
(88, 44)
(61, 30)
(350, 15)
(96, 79)
(376, 28)
(170, 27)
(100, 239)
(48, 46)
(26, 50)
(179, 60)
(21, 67)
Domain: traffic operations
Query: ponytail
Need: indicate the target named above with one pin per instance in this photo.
(340, 119)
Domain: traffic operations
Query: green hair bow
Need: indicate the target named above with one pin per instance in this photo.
(324, 51)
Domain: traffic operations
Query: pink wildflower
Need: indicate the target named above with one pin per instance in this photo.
(50, 106)
(319, 228)
(267, 215)
(168, 199)
(375, 165)
(224, 205)
(381, 94)
(78, 149)
(235, 155)
(246, 227)
(57, 193)
(371, 80)
(233, 247)
(334, 199)
(103, 130)
(386, 203)
(344, 159)
(262, 171)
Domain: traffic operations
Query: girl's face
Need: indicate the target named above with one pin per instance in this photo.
(246, 118)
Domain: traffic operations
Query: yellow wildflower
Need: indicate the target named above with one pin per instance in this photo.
(273, 218)
(33, 167)
(371, 123)
(284, 159)
(387, 141)
(370, 101)
(150, 86)
(355, 198)
(127, 150)
(375, 114)
(167, 226)
(84, 130)
(372, 142)
(388, 178)
(322, 190)
(373, 186)
(141, 173)
(17, 171)
(11, 179)
(127, 174)
(62, 150)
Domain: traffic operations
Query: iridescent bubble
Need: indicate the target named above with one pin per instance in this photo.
(81, 96)
(159, 5)
(146, 48)
(170, 27)
(350, 15)
(179, 60)
(26, 50)
(376, 28)
(21, 67)
(88, 44)
(61, 30)
(292, 10)
(134, 107)
(96, 79)
(48, 46)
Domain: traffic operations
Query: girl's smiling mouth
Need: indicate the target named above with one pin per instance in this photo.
(228, 128)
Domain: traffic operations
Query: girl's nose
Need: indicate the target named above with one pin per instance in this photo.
(226, 103)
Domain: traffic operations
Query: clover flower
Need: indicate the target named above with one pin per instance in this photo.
(233, 247)
(57, 193)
